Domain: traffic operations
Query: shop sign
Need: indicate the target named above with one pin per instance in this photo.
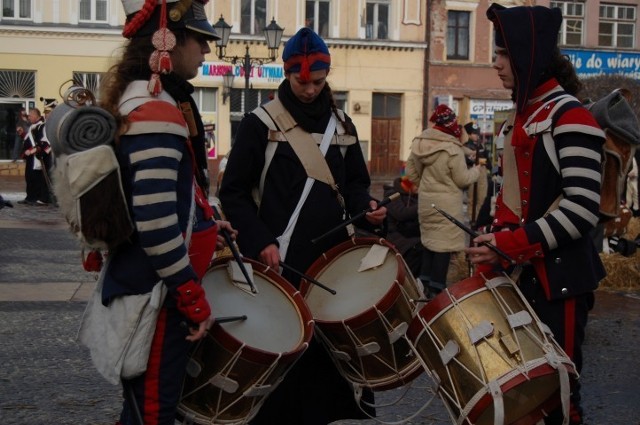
(213, 71)
(590, 63)
(482, 111)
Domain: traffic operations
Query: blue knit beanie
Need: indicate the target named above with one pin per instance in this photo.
(305, 52)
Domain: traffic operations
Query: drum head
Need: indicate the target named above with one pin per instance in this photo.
(274, 322)
(355, 291)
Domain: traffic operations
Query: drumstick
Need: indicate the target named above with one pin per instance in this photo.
(234, 251)
(474, 235)
(308, 278)
(222, 319)
(358, 216)
(227, 319)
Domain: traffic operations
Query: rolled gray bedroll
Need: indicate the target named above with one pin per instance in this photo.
(72, 130)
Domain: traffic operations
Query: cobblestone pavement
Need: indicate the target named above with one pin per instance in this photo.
(46, 377)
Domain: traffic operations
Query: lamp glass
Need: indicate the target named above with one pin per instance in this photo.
(224, 31)
(273, 34)
(227, 81)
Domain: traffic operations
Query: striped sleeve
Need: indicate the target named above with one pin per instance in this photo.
(155, 160)
(578, 142)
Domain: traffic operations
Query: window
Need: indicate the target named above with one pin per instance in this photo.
(617, 26)
(386, 105)
(93, 10)
(88, 80)
(572, 23)
(17, 84)
(377, 20)
(239, 105)
(205, 98)
(458, 35)
(340, 97)
(16, 9)
(317, 17)
(253, 17)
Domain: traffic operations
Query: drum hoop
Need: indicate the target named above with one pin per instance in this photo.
(481, 401)
(384, 303)
(250, 353)
(355, 376)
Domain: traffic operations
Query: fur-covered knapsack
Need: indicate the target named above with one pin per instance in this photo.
(86, 175)
(622, 130)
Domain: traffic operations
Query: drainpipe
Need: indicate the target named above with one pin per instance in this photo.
(426, 92)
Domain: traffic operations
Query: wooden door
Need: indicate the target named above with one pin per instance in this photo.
(385, 147)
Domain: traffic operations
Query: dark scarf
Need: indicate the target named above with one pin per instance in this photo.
(181, 91)
(314, 116)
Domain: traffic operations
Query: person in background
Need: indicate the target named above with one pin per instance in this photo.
(544, 216)
(313, 391)
(474, 144)
(37, 154)
(479, 195)
(22, 133)
(403, 224)
(438, 167)
(22, 121)
(159, 148)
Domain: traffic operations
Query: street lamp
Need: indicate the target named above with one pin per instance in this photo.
(272, 34)
(227, 84)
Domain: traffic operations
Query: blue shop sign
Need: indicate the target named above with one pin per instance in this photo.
(589, 63)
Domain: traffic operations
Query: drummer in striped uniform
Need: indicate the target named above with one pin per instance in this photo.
(544, 216)
(161, 152)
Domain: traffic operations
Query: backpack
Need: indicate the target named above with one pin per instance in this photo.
(622, 135)
(86, 175)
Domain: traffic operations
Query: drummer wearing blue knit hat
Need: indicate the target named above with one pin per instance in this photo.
(305, 191)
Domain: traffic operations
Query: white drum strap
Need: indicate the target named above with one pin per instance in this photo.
(493, 388)
(285, 238)
(556, 362)
(498, 403)
(260, 390)
(222, 379)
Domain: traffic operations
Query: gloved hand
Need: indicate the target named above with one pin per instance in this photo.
(191, 301)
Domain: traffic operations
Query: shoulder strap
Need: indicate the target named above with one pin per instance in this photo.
(544, 127)
(285, 238)
(510, 187)
(303, 143)
(269, 151)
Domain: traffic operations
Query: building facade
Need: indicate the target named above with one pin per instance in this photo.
(393, 61)
(600, 37)
(378, 52)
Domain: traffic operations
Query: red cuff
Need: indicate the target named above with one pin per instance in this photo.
(192, 302)
(516, 245)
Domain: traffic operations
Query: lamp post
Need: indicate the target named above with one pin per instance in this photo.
(272, 34)
(227, 84)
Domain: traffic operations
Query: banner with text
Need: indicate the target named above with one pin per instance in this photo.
(590, 63)
(261, 74)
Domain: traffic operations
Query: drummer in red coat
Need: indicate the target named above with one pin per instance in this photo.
(543, 214)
